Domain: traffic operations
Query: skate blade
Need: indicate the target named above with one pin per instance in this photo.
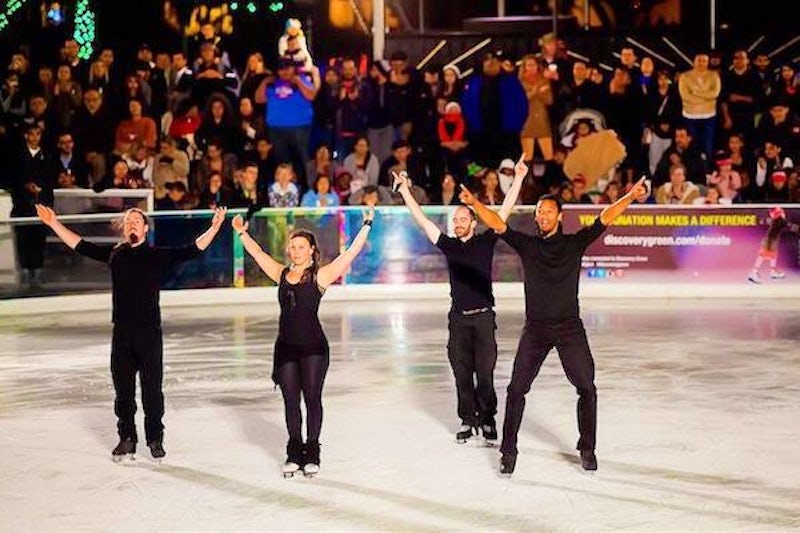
(490, 443)
(127, 459)
(311, 473)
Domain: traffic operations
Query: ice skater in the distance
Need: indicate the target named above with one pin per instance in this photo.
(301, 357)
(776, 225)
(136, 344)
(551, 261)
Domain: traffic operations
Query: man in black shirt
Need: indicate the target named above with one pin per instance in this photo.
(136, 345)
(471, 348)
(552, 264)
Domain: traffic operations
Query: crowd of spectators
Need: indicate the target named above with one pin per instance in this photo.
(203, 132)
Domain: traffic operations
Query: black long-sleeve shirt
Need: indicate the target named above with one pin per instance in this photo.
(552, 269)
(470, 267)
(135, 275)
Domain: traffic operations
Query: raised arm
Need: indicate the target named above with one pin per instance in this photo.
(270, 266)
(204, 240)
(48, 217)
(334, 270)
(610, 213)
(486, 215)
(520, 171)
(404, 188)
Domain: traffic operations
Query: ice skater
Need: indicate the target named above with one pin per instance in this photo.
(471, 347)
(301, 357)
(776, 224)
(551, 262)
(136, 344)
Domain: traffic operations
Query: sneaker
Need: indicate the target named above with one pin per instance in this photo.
(508, 461)
(489, 432)
(588, 460)
(465, 433)
(777, 274)
(755, 277)
(125, 450)
(157, 449)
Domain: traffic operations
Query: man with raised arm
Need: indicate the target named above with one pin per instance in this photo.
(471, 348)
(552, 264)
(136, 345)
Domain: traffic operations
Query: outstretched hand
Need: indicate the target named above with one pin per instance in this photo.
(370, 214)
(239, 225)
(400, 180)
(466, 196)
(521, 169)
(219, 217)
(46, 214)
(639, 191)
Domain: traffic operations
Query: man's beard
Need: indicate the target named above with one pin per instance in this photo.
(133, 238)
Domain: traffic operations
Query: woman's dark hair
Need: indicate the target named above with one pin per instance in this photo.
(315, 255)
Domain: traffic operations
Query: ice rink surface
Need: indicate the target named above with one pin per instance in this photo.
(698, 428)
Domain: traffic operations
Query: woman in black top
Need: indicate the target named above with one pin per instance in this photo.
(301, 349)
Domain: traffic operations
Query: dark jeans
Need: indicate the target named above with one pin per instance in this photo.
(30, 246)
(138, 348)
(704, 131)
(538, 338)
(291, 146)
(306, 375)
(472, 351)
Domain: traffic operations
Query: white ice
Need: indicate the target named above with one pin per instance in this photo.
(698, 426)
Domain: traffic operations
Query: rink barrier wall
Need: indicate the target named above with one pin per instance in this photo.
(506, 293)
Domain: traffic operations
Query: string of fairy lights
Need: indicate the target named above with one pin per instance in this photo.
(85, 24)
(85, 30)
(11, 8)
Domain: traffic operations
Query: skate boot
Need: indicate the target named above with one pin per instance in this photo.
(124, 451)
(755, 277)
(588, 460)
(294, 458)
(311, 466)
(489, 434)
(157, 450)
(465, 433)
(507, 463)
(777, 274)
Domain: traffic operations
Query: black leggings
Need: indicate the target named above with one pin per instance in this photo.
(306, 375)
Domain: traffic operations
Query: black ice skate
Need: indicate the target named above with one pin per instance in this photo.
(489, 434)
(465, 433)
(157, 450)
(125, 451)
(588, 460)
(294, 458)
(311, 466)
(507, 463)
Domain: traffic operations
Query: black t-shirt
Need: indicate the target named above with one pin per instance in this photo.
(470, 266)
(552, 269)
(135, 275)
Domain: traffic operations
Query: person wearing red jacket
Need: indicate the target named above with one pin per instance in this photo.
(452, 130)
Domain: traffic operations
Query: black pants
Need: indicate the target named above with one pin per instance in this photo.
(472, 351)
(30, 246)
(138, 348)
(569, 338)
(306, 375)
